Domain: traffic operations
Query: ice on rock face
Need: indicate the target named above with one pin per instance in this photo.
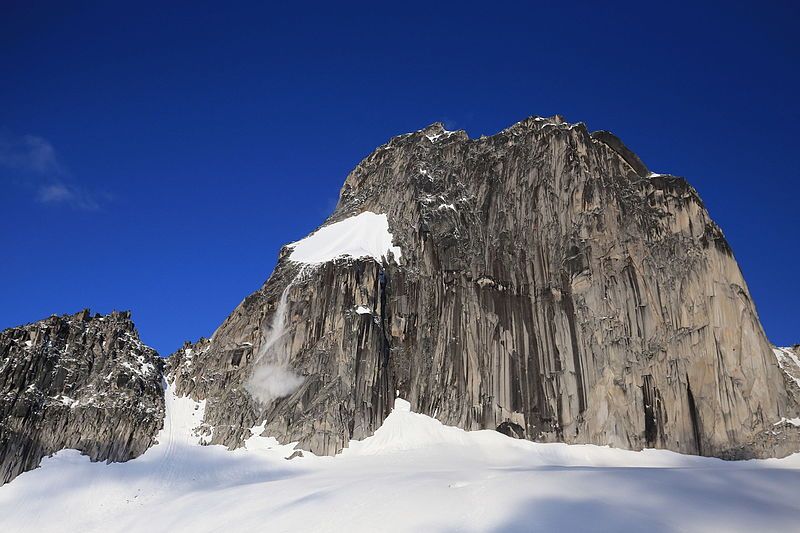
(364, 235)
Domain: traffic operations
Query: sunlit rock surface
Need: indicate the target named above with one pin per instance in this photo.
(549, 286)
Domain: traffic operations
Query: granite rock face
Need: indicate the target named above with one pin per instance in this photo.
(550, 287)
(77, 381)
(789, 361)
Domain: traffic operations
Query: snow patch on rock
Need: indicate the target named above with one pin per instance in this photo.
(364, 235)
(789, 363)
(791, 421)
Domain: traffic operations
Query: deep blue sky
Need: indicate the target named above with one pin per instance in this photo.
(155, 156)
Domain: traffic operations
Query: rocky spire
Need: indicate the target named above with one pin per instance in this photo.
(77, 381)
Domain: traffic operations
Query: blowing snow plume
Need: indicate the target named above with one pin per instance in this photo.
(270, 382)
(272, 377)
(364, 235)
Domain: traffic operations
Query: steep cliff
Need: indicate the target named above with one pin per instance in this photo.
(540, 281)
(789, 361)
(77, 381)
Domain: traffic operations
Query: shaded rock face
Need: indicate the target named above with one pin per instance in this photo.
(782, 437)
(77, 381)
(789, 361)
(341, 354)
(550, 287)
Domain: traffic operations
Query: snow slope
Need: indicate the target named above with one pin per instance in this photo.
(789, 363)
(414, 474)
(364, 235)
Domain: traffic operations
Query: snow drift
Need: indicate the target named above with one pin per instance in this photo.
(363, 235)
(414, 474)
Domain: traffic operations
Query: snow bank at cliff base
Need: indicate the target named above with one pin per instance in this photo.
(413, 474)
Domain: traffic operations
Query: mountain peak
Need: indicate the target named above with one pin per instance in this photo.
(543, 250)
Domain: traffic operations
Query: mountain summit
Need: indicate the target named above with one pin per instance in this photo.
(540, 281)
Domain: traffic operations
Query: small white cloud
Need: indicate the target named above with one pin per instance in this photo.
(54, 194)
(30, 161)
(60, 193)
(30, 154)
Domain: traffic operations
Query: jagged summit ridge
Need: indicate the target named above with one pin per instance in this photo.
(78, 381)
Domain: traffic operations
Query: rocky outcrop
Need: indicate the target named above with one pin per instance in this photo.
(789, 361)
(77, 381)
(550, 286)
(783, 436)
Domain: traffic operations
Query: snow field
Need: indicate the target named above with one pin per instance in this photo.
(414, 474)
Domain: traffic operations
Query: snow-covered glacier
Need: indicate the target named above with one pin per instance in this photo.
(413, 474)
